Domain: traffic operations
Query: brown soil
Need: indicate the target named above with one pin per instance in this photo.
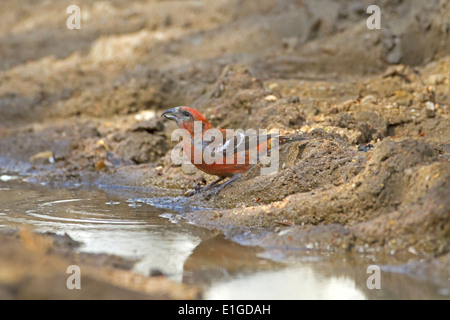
(92, 98)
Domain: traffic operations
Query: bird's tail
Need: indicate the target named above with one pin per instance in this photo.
(285, 139)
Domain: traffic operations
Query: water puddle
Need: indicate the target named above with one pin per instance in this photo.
(146, 225)
(304, 283)
(103, 222)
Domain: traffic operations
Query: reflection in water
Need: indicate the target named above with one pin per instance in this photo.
(232, 271)
(218, 259)
(138, 233)
(289, 283)
(146, 226)
(228, 270)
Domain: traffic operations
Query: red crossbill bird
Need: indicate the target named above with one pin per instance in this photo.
(237, 147)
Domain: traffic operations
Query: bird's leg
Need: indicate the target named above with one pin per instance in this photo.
(223, 185)
(205, 188)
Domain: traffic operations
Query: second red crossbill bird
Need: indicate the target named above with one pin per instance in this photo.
(238, 147)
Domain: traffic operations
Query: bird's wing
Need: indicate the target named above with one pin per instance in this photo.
(241, 142)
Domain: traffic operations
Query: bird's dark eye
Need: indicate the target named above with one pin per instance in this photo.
(186, 113)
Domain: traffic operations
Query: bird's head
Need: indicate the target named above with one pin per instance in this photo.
(185, 118)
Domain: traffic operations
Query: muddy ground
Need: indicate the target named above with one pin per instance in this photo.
(83, 106)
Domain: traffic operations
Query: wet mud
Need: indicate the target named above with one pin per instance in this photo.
(82, 107)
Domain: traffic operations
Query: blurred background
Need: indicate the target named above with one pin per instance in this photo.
(134, 55)
(216, 56)
(80, 107)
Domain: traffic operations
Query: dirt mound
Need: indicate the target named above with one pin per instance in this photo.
(386, 202)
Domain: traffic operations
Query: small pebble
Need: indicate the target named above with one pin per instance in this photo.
(112, 203)
(270, 98)
(365, 148)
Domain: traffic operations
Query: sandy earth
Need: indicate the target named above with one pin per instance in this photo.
(90, 99)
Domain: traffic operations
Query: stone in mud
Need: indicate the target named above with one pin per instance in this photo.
(151, 126)
(142, 147)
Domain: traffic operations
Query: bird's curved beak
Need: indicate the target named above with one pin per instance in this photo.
(171, 114)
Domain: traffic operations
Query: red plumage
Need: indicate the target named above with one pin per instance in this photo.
(236, 146)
